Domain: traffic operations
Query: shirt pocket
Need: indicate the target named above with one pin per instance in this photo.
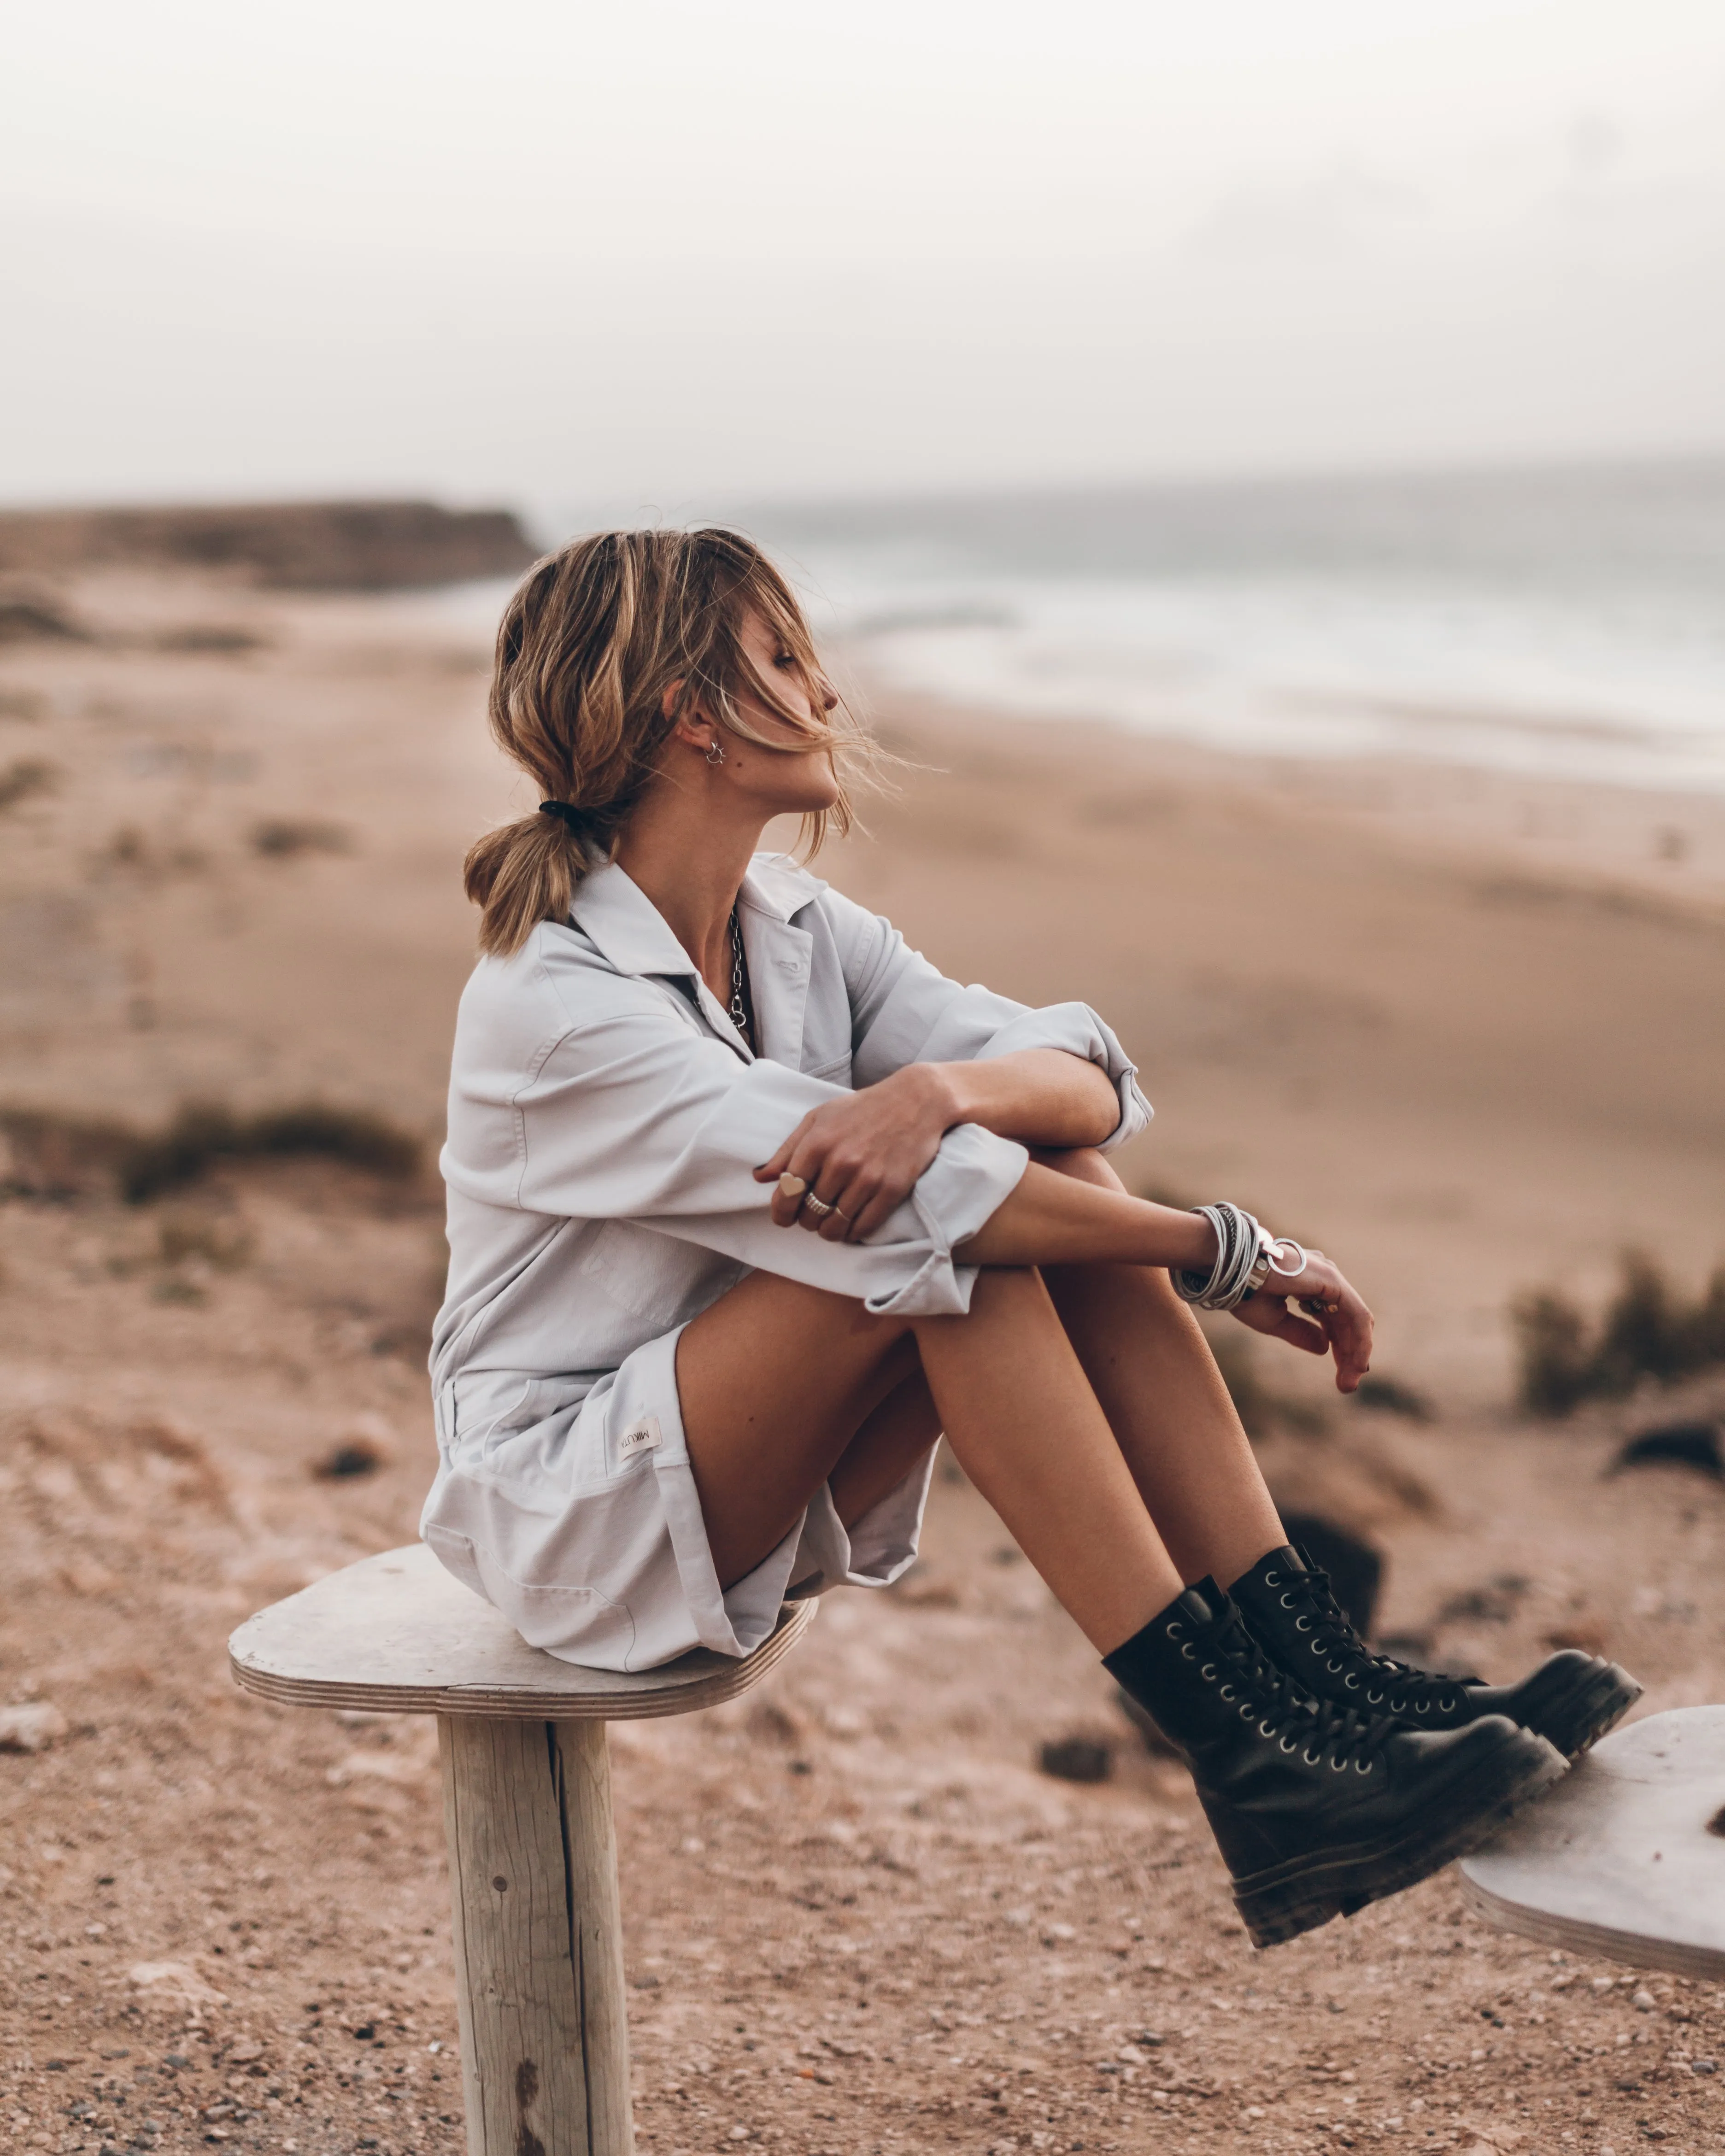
(487, 1411)
(659, 1279)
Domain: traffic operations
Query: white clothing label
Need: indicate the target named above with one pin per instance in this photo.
(642, 1436)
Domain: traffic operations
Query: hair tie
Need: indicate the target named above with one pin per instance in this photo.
(578, 820)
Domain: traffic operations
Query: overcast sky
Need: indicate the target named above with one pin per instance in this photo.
(661, 253)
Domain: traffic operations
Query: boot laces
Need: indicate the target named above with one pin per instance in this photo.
(1400, 1686)
(1282, 1708)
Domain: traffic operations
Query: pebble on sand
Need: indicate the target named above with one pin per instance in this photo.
(32, 1727)
(1077, 1758)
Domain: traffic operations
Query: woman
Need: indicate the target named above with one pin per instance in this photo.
(747, 1204)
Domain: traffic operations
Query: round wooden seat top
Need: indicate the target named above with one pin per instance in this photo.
(397, 1634)
(1625, 1857)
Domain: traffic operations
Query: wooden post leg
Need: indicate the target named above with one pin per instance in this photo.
(538, 1937)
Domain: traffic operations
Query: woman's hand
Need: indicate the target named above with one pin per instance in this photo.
(1330, 1316)
(861, 1154)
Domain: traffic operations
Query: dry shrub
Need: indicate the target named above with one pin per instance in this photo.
(280, 838)
(1390, 1396)
(27, 775)
(47, 1155)
(1646, 1330)
(218, 640)
(204, 1133)
(34, 617)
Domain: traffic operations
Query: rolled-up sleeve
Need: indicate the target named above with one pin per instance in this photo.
(907, 1011)
(630, 1116)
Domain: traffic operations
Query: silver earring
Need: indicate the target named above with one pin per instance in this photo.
(715, 753)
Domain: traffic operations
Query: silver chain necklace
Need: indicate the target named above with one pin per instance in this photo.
(739, 1010)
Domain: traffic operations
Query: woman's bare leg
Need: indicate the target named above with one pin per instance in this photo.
(777, 1381)
(886, 1449)
(1151, 1368)
(1020, 1415)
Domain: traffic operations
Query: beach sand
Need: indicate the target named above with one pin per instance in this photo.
(1463, 1032)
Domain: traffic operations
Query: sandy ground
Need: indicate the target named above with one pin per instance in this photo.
(1465, 1034)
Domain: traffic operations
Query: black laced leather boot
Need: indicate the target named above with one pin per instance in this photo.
(1570, 1699)
(1316, 1809)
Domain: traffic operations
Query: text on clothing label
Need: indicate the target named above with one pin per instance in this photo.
(642, 1436)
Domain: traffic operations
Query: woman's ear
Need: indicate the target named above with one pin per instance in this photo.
(694, 729)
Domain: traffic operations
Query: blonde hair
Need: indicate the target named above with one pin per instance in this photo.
(587, 649)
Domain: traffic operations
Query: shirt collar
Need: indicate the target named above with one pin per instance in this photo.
(617, 916)
(774, 884)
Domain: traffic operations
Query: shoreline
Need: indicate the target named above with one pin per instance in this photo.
(1658, 842)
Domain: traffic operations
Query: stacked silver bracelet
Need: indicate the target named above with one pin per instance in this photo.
(1246, 1257)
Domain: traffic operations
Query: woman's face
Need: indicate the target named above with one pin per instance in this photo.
(798, 776)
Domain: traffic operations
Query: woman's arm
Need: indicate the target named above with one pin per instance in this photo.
(861, 1153)
(865, 1152)
(637, 1118)
(1041, 1097)
(1052, 1219)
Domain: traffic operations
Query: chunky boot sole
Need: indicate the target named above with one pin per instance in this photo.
(1281, 1902)
(1581, 1717)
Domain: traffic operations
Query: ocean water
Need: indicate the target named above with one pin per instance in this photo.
(1567, 623)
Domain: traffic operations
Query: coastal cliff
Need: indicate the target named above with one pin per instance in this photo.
(298, 546)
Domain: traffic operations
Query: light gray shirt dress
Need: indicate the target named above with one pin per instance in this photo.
(605, 1119)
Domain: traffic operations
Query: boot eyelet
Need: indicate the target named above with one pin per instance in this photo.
(1272, 1580)
(1338, 1766)
(1302, 1624)
(1267, 1729)
(1363, 1766)
(1208, 1673)
(1352, 1683)
(1451, 1706)
(1332, 1667)
(1287, 1602)
(1311, 1758)
(1289, 1743)
(1246, 1710)
(1374, 1699)
(1173, 1631)
(1188, 1653)
(1227, 1693)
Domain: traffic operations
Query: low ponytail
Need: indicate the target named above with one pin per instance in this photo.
(589, 650)
(519, 874)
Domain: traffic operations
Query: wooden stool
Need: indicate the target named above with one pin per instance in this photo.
(1625, 1857)
(526, 1774)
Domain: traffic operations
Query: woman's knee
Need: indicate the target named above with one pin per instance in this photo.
(767, 1321)
(1083, 1163)
(1001, 1297)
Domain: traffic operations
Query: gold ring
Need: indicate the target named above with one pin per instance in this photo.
(792, 1186)
(818, 1206)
